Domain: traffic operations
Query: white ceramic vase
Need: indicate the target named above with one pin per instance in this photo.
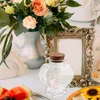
(32, 51)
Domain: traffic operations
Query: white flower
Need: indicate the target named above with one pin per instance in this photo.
(29, 22)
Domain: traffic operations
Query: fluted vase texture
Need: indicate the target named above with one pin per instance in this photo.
(32, 50)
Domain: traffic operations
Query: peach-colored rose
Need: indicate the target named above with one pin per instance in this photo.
(39, 7)
(1, 4)
(16, 1)
(29, 22)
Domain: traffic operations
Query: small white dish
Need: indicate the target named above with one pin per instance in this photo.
(36, 96)
(82, 19)
(83, 12)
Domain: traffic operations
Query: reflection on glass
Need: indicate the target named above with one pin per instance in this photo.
(56, 75)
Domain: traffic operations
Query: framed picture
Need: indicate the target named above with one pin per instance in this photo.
(77, 45)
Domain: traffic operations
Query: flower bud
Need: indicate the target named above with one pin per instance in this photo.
(9, 9)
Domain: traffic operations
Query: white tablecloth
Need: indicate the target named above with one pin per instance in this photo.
(31, 79)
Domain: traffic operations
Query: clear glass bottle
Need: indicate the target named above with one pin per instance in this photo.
(56, 75)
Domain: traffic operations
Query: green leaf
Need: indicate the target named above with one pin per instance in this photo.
(62, 0)
(7, 38)
(61, 13)
(2, 0)
(28, 2)
(4, 18)
(49, 20)
(63, 9)
(66, 24)
(54, 10)
(12, 20)
(6, 64)
(8, 48)
(21, 5)
(2, 38)
(19, 28)
(4, 46)
(2, 32)
(67, 15)
(51, 31)
(7, 45)
(59, 27)
(72, 3)
(64, 15)
(3, 61)
(42, 31)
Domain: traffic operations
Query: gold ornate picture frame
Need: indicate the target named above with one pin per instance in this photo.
(87, 37)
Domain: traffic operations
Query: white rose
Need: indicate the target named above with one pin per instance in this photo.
(29, 22)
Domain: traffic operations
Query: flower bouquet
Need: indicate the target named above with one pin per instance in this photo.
(46, 16)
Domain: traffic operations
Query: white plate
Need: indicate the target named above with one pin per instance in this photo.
(82, 19)
(38, 97)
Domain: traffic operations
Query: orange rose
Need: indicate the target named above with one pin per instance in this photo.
(39, 7)
(29, 22)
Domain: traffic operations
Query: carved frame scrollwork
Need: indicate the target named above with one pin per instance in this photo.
(87, 36)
